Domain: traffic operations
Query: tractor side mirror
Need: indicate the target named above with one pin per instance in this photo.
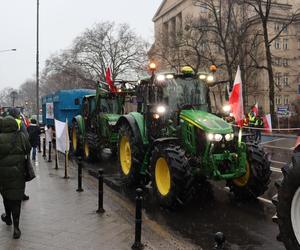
(77, 101)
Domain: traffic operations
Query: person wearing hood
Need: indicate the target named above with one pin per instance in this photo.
(14, 146)
(34, 136)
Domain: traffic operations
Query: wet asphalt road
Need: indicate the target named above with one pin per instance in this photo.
(246, 226)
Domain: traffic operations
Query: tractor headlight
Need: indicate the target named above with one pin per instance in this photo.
(229, 137)
(214, 137)
(210, 79)
(161, 109)
(160, 78)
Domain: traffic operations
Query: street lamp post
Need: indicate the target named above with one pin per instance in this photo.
(37, 61)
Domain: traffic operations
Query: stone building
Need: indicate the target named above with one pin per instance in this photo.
(170, 19)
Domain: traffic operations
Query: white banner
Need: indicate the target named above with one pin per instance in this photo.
(49, 110)
(62, 136)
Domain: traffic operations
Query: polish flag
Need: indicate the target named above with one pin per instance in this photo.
(110, 82)
(236, 99)
(267, 123)
(255, 109)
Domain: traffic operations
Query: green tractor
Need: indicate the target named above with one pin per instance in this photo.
(94, 129)
(174, 142)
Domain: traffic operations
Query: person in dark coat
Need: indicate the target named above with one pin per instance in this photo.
(13, 147)
(34, 136)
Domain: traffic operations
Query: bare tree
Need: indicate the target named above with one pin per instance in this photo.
(5, 99)
(263, 10)
(107, 45)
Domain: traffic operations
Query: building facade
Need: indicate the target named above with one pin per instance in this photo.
(170, 20)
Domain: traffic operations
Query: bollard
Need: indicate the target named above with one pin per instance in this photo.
(56, 158)
(39, 146)
(66, 165)
(49, 156)
(138, 220)
(44, 147)
(219, 241)
(100, 192)
(79, 188)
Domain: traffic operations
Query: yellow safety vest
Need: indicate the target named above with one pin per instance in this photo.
(19, 122)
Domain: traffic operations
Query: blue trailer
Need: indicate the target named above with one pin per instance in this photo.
(63, 104)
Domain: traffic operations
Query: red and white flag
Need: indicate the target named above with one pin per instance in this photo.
(267, 123)
(236, 99)
(110, 82)
(255, 109)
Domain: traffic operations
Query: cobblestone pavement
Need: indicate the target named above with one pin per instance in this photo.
(58, 217)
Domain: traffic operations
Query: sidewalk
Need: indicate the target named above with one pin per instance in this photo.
(57, 217)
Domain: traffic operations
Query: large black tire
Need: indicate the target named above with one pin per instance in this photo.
(75, 139)
(288, 203)
(130, 154)
(172, 181)
(255, 182)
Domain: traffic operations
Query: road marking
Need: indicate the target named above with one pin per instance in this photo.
(268, 146)
(259, 198)
(275, 170)
(278, 162)
(265, 200)
(263, 143)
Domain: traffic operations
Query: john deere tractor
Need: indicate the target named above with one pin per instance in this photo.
(288, 203)
(94, 129)
(174, 142)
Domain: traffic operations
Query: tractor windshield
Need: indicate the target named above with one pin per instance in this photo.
(182, 92)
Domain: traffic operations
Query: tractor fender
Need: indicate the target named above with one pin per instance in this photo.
(133, 124)
(80, 122)
(166, 140)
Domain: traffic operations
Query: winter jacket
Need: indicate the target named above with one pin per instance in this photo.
(34, 135)
(13, 147)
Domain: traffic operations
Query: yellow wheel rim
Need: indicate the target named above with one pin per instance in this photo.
(74, 139)
(243, 180)
(162, 176)
(125, 155)
(86, 150)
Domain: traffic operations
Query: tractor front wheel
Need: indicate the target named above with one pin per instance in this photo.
(130, 154)
(172, 181)
(288, 205)
(75, 138)
(255, 182)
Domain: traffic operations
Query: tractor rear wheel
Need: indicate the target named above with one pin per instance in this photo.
(130, 154)
(288, 205)
(172, 181)
(255, 182)
(76, 147)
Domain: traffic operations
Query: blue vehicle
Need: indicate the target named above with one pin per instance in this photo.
(63, 104)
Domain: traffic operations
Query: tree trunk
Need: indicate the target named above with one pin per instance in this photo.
(270, 70)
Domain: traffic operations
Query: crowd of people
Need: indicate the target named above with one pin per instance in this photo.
(18, 137)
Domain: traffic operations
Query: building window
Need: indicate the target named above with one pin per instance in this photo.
(284, 28)
(278, 100)
(277, 27)
(277, 43)
(285, 62)
(277, 61)
(286, 100)
(285, 80)
(285, 44)
(278, 78)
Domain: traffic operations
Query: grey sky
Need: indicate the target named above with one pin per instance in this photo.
(60, 22)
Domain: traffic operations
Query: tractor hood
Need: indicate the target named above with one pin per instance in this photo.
(206, 121)
(111, 118)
